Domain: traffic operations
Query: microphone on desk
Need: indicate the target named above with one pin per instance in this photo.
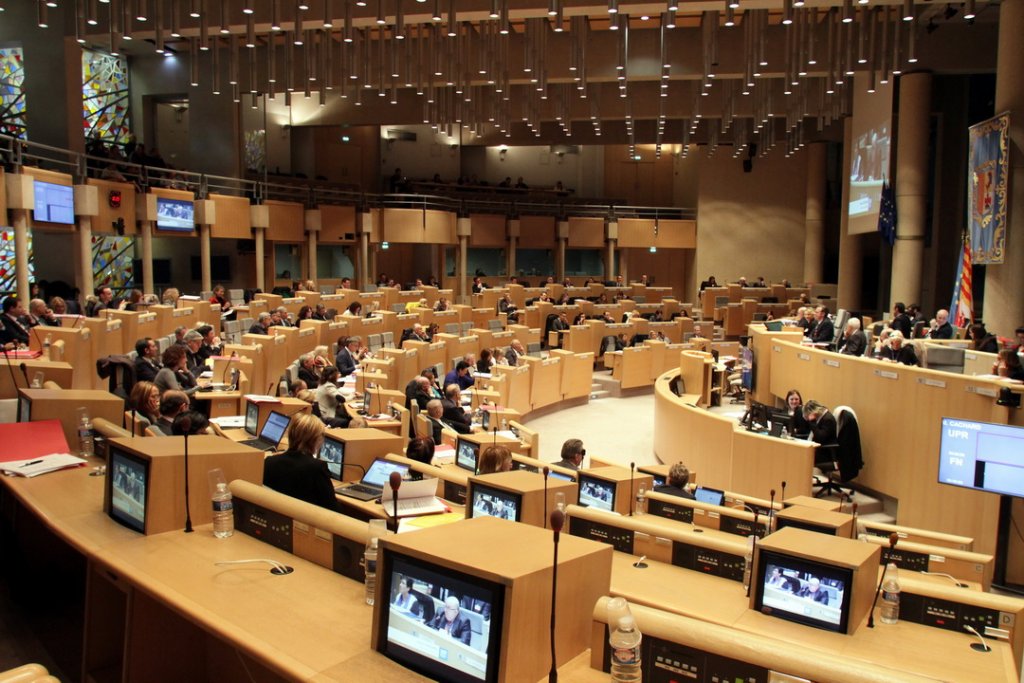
(893, 540)
(224, 374)
(185, 425)
(395, 481)
(771, 510)
(853, 529)
(782, 498)
(632, 466)
(495, 429)
(557, 521)
(24, 373)
(547, 470)
(133, 422)
(14, 380)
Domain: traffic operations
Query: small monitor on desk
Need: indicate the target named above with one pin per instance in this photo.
(703, 494)
(24, 409)
(332, 451)
(565, 476)
(450, 628)
(488, 501)
(252, 417)
(467, 454)
(597, 493)
(127, 486)
(804, 591)
(773, 325)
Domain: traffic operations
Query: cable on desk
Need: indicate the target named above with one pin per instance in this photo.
(277, 568)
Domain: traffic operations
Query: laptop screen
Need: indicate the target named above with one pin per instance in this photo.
(333, 453)
(273, 428)
(380, 472)
(252, 417)
(709, 496)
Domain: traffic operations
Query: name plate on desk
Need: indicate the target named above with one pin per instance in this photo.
(436, 346)
(280, 339)
(928, 382)
(181, 312)
(306, 332)
(113, 325)
(147, 317)
(830, 362)
(981, 391)
(550, 361)
(411, 353)
(803, 356)
(887, 374)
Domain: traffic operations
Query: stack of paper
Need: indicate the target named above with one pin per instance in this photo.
(33, 467)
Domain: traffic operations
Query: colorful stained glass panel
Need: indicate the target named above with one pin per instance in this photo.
(12, 92)
(105, 97)
(8, 262)
(112, 262)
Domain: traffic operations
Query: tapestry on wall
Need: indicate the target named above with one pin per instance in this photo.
(989, 161)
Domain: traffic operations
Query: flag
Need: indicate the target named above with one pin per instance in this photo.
(887, 214)
(961, 309)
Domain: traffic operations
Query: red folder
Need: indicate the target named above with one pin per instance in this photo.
(21, 440)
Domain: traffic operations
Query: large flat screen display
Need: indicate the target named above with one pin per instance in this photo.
(175, 214)
(54, 203)
(807, 592)
(982, 456)
(597, 493)
(128, 479)
(869, 155)
(440, 622)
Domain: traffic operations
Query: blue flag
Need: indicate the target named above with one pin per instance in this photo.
(887, 214)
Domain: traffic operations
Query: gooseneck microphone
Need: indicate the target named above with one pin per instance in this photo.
(771, 511)
(24, 373)
(395, 481)
(557, 521)
(632, 467)
(185, 425)
(547, 470)
(782, 498)
(753, 554)
(227, 365)
(133, 422)
(893, 540)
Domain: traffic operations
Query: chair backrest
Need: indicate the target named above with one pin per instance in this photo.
(108, 429)
(494, 325)
(140, 425)
(527, 436)
(398, 308)
(465, 327)
(150, 431)
(423, 427)
(533, 349)
(849, 455)
(373, 342)
(451, 328)
(387, 339)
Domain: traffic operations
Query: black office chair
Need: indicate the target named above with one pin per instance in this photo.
(841, 462)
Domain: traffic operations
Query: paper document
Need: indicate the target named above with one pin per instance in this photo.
(262, 398)
(414, 498)
(33, 467)
(229, 421)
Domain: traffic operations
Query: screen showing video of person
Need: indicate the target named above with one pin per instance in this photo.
(806, 592)
(491, 502)
(252, 417)
(333, 453)
(597, 493)
(441, 622)
(128, 477)
(175, 214)
(465, 455)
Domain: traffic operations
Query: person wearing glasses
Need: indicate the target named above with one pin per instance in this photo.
(572, 454)
(452, 622)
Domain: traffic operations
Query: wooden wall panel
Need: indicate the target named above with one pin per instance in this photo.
(337, 224)
(287, 221)
(104, 221)
(586, 233)
(439, 227)
(233, 219)
(644, 233)
(487, 230)
(536, 232)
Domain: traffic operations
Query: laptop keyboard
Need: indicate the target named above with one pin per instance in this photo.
(363, 489)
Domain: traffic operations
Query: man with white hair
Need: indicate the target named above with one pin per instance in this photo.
(262, 324)
(40, 314)
(943, 329)
(854, 341)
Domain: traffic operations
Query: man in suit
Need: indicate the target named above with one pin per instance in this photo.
(452, 622)
(435, 414)
(854, 341)
(172, 403)
(13, 332)
(40, 314)
(823, 326)
(573, 453)
(461, 375)
(147, 362)
(675, 483)
(943, 329)
(515, 352)
(309, 370)
(901, 321)
(262, 324)
(452, 412)
(348, 355)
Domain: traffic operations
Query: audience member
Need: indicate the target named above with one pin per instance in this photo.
(451, 410)
(515, 352)
(675, 483)
(1008, 365)
(824, 328)
(297, 472)
(897, 350)
(798, 427)
(572, 454)
(174, 375)
(40, 314)
(461, 375)
(348, 355)
(983, 340)
(211, 345)
(13, 333)
(172, 402)
(145, 402)
(495, 459)
(901, 321)
(329, 400)
(262, 324)
(146, 363)
(420, 449)
(854, 341)
(309, 370)
(822, 424)
(943, 328)
(191, 423)
(484, 364)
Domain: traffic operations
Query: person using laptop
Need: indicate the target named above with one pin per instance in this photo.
(330, 401)
(675, 483)
(296, 472)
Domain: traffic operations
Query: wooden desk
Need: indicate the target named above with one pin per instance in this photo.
(12, 378)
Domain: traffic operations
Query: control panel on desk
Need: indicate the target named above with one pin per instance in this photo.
(668, 662)
(953, 616)
(266, 525)
(659, 508)
(708, 561)
(620, 539)
(905, 559)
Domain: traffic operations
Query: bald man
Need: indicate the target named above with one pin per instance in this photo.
(943, 329)
(451, 621)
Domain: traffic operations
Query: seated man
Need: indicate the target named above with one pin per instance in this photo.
(854, 341)
(573, 453)
(310, 369)
(675, 483)
(897, 350)
(146, 363)
(348, 355)
(435, 413)
(814, 591)
(418, 392)
(452, 622)
(13, 332)
(172, 403)
(452, 412)
(824, 328)
(943, 329)
(262, 324)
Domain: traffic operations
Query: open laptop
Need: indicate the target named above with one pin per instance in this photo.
(371, 486)
(709, 495)
(272, 432)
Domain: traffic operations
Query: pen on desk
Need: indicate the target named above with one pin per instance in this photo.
(27, 464)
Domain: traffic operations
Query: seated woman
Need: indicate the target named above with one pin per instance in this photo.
(144, 401)
(1008, 365)
(296, 472)
(420, 449)
(483, 365)
(798, 426)
(354, 310)
(898, 351)
(174, 375)
(495, 459)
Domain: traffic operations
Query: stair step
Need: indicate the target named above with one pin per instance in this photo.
(601, 393)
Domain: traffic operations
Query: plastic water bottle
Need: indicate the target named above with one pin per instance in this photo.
(890, 612)
(748, 563)
(47, 340)
(785, 433)
(641, 500)
(86, 442)
(625, 646)
(223, 511)
(370, 569)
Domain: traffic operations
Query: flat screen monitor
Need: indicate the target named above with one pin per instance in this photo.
(367, 400)
(525, 467)
(24, 409)
(710, 496)
(440, 622)
(804, 591)
(54, 203)
(597, 493)
(466, 454)
(252, 417)
(488, 501)
(275, 427)
(128, 482)
(982, 456)
(175, 214)
(332, 451)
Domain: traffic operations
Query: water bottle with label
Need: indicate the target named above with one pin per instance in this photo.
(223, 505)
(890, 610)
(641, 500)
(86, 442)
(625, 646)
(47, 340)
(370, 569)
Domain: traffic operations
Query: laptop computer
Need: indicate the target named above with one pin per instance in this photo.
(709, 495)
(272, 432)
(371, 486)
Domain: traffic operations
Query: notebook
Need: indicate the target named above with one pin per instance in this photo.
(272, 432)
(371, 486)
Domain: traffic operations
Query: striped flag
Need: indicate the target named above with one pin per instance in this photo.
(962, 307)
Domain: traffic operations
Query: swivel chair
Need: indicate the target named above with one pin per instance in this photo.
(841, 462)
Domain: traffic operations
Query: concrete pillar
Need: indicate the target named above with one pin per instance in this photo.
(814, 217)
(260, 237)
(463, 227)
(83, 274)
(850, 246)
(1004, 306)
(311, 252)
(147, 257)
(563, 240)
(21, 253)
(514, 226)
(611, 240)
(912, 172)
(204, 257)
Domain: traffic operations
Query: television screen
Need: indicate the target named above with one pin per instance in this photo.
(804, 591)
(709, 496)
(252, 417)
(333, 453)
(466, 454)
(440, 622)
(54, 203)
(492, 502)
(128, 479)
(561, 475)
(175, 214)
(24, 409)
(982, 456)
(598, 493)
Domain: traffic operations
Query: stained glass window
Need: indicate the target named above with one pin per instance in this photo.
(255, 149)
(12, 93)
(112, 262)
(8, 274)
(105, 97)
